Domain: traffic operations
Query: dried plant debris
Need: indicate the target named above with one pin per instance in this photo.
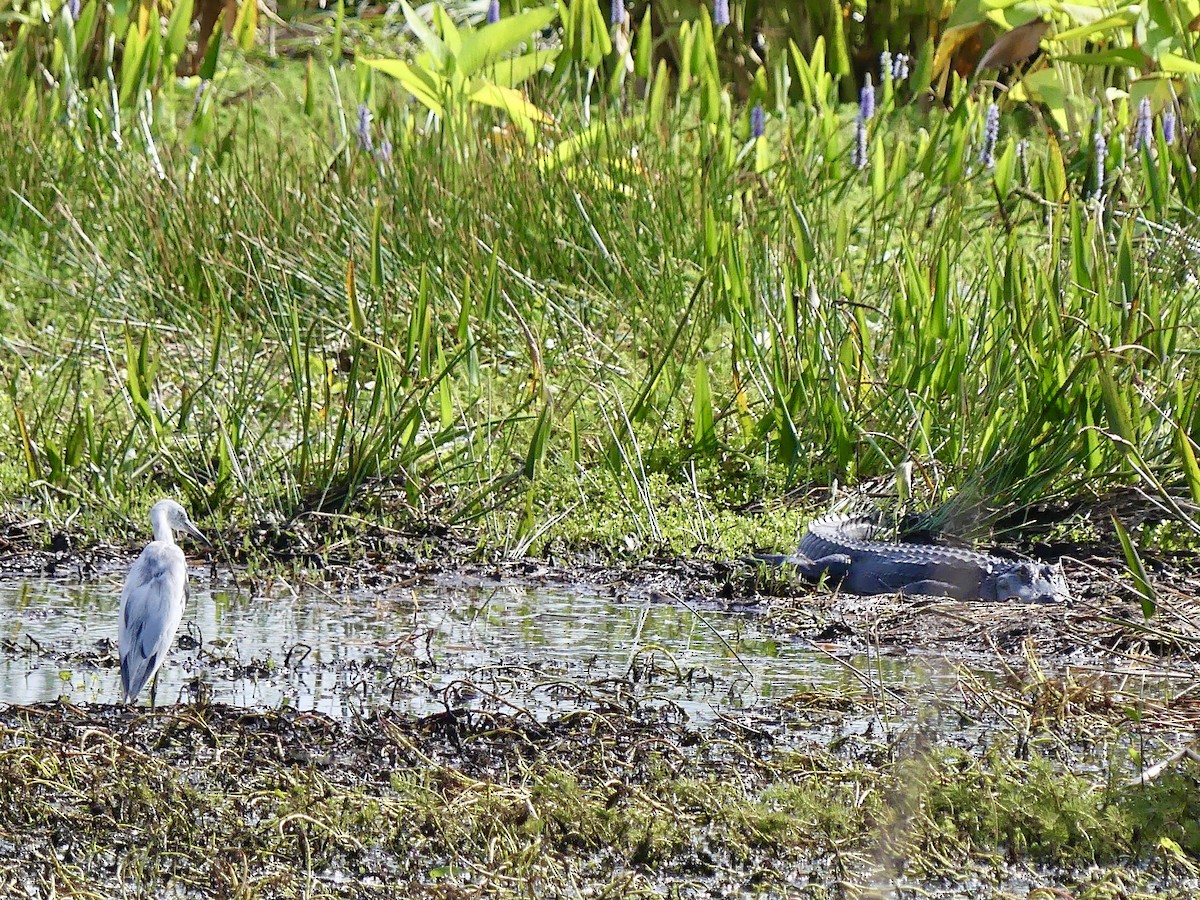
(204, 801)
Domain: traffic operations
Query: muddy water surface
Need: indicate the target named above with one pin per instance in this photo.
(538, 648)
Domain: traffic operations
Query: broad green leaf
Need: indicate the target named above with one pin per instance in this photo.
(245, 26)
(1173, 62)
(511, 72)
(432, 43)
(1045, 86)
(1118, 20)
(968, 12)
(511, 101)
(1005, 166)
(426, 86)
(445, 26)
(1117, 56)
(1055, 172)
(208, 67)
(131, 63)
(490, 43)
(641, 64)
(567, 150)
(177, 29)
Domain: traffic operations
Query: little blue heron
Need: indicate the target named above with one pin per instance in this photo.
(152, 601)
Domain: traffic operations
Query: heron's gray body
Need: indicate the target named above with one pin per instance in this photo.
(152, 600)
(844, 549)
(151, 608)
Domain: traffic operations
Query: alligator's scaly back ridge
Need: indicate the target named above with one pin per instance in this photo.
(858, 537)
(846, 549)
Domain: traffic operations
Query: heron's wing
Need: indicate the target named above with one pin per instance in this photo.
(151, 607)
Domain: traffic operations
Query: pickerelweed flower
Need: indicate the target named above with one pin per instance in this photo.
(73, 7)
(900, 67)
(758, 121)
(720, 12)
(201, 90)
(363, 131)
(991, 133)
(1144, 127)
(866, 99)
(858, 156)
(384, 152)
(1169, 125)
(885, 66)
(616, 12)
(493, 13)
(1100, 146)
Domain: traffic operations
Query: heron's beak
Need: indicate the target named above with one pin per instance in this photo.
(196, 533)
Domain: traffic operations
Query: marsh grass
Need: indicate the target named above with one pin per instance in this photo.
(624, 337)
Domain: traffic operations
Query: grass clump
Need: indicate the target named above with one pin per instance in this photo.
(320, 809)
(568, 342)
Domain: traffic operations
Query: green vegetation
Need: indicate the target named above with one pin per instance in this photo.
(217, 801)
(256, 293)
(552, 284)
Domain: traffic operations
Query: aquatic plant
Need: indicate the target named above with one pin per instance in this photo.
(866, 99)
(1144, 126)
(991, 133)
(363, 130)
(859, 154)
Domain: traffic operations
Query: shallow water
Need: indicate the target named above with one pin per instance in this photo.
(536, 648)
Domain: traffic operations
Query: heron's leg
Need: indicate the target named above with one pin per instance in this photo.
(153, 689)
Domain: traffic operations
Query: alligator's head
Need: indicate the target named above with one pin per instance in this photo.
(1032, 583)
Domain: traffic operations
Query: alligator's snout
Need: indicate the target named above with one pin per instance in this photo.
(1031, 583)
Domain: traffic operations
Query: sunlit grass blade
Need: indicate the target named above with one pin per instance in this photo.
(1147, 595)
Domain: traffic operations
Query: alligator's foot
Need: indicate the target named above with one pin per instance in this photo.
(931, 588)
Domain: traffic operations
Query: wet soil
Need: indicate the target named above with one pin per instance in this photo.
(1103, 624)
(849, 793)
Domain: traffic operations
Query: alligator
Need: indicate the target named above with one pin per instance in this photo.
(846, 551)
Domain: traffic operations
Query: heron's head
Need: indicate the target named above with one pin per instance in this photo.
(169, 514)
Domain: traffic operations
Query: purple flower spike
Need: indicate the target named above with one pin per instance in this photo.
(886, 66)
(384, 152)
(493, 13)
(866, 100)
(363, 131)
(858, 157)
(758, 121)
(616, 12)
(720, 12)
(73, 7)
(1169, 123)
(900, 67)
(1100, 145)
(991, 133)
(1144, 129)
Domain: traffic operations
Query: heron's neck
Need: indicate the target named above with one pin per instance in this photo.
(161, 524)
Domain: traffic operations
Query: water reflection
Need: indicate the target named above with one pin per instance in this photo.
(535, 648)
